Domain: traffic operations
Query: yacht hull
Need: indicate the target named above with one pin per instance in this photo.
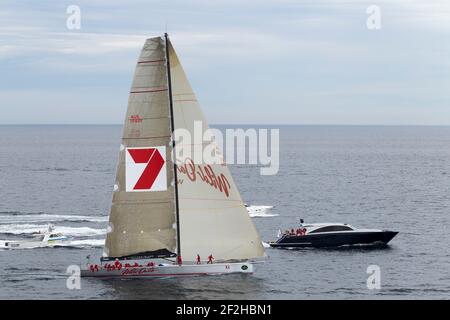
(171, 270)
(334, 239)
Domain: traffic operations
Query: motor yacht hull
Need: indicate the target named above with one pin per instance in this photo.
(334, 239)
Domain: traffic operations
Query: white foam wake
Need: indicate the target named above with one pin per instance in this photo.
(265, 244)
(44, 217)
(260, 211)
(85, 243)
(258, 208)
(18, 229)
(73, 244)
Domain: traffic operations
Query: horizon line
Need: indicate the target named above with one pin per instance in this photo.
(240, 124)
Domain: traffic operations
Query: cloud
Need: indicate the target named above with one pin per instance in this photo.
(418, 14)
(242, 57)
(63, 106)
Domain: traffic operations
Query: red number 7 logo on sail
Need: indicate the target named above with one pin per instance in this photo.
(145, 169)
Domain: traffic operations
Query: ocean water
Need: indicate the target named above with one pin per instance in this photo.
(376, 177)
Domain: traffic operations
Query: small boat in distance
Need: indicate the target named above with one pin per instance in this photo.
(47, 238)
(258, 211)
(322, 235)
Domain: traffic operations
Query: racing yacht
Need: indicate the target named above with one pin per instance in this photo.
(171, 216)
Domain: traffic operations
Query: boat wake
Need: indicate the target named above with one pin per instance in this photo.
(88, 243)
(75, 244)
(262, 215)
(256, 211)
(45, 217)
(266, 244)
(29, 229)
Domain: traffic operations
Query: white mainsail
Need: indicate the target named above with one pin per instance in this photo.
(211, 216)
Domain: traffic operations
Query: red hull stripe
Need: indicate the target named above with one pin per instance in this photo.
(164, 275)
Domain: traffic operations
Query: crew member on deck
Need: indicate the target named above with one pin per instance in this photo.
(210, 258)
(117, 264)
(198, 259)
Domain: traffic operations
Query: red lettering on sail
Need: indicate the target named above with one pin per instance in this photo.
(152, 157)
(135, 118)
(206, 174)
(188, 169)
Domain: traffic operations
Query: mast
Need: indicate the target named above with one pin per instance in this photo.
(172, 125)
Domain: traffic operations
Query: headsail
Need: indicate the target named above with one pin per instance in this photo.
(143, 211)
(213, 218)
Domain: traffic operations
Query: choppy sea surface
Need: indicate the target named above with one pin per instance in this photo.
(383, 177)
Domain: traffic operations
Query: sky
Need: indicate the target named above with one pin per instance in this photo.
(249, 62)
